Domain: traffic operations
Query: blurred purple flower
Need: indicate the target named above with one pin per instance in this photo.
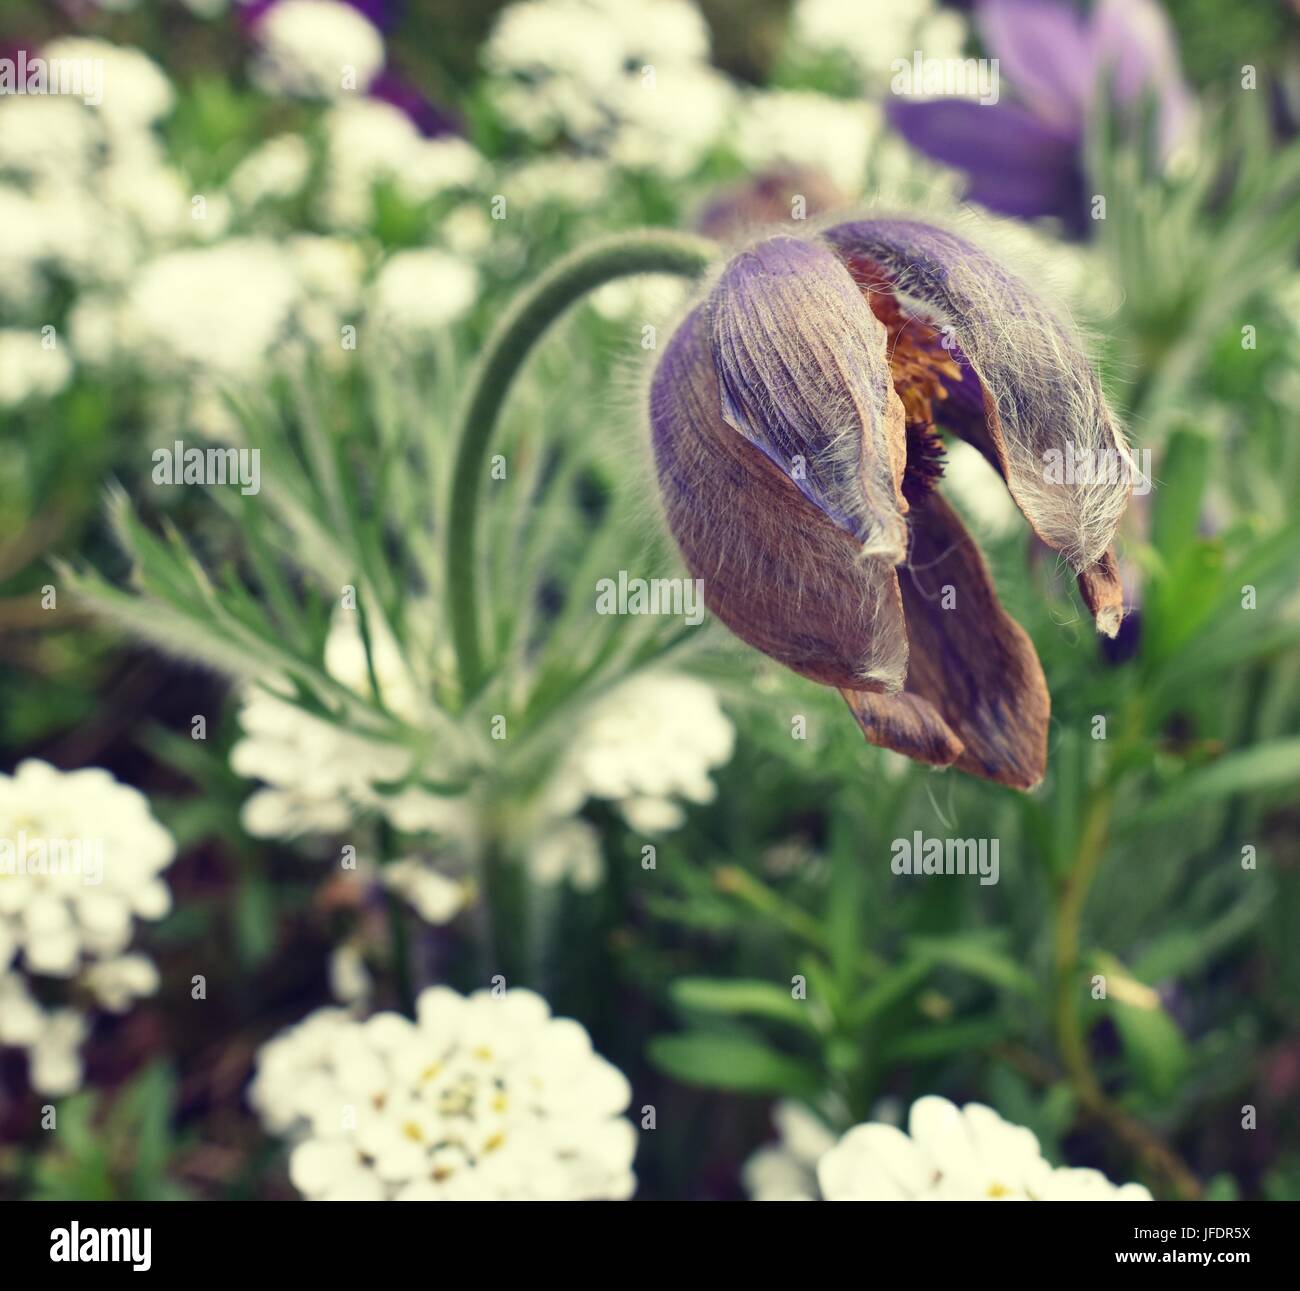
(430, 118)
(1025, 157)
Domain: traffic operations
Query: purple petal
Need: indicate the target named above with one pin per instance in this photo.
(1136, 50)
(430, 118)
(801, 365)
(1045, 51)
(1042, 397)
(775, 569)
(1016, 164)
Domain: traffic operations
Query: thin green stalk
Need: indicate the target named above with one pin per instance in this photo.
(503, 355)
(1071, 1034)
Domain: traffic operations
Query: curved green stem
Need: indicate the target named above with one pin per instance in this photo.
(506, 348)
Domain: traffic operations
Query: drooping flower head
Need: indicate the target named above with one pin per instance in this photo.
(794, 420)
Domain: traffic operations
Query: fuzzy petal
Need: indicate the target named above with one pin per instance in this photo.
(972, 663)
(776, 569)
(1103, 593)
(1042, 400)
(801, 364)
(907, 724)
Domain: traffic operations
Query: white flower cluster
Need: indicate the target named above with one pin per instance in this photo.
(369, 142)
(316, 49)
(649, 742)
(804, 128)
(81, 858)
(647, 746)
(871, 34)
(86, 193)
(319, 776)
(628, 79)
(485, 1097)
(949, 1154)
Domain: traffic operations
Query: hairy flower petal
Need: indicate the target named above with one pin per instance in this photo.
(801, 364)
(777, 570)
(976, 695)
(1041, 397)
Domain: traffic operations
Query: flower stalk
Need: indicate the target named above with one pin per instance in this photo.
(502, 357)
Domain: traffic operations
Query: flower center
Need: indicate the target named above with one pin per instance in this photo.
(919, 360)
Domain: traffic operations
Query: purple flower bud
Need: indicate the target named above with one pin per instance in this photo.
(793, 417)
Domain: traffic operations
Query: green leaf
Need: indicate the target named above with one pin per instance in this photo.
(1265, 766)
(896, 984)
(948, 1037)
(732, 1062)
(981, 956)
(744, 997)
(1176, 513)
(1156, 1051)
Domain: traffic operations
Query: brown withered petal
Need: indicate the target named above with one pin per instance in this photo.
(776, 569)
(905, 723)
(1103, 592)
(1026, 391)
(975, 693)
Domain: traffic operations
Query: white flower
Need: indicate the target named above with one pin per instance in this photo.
(29, 369)
(316, 49)
(651, 740)
(329, 269)
(367, 141)
(319, 775)
(350, 980)
(955, 1154)
(668, 125)
(118, 983)
(417, 292)
(566, 850)
(21, 1018)
(46, 136)
(800, 127)
(137, 92)
(217, 309)
(629, 79)
(482, 1097)
(80, 858)
(275, 170)
(873, 33)
(787, 1171)
(435, 897)
(54, 1059)
(155, 197)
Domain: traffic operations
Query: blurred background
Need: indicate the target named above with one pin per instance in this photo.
(289, 226)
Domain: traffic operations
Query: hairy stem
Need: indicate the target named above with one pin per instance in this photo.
(503, 355)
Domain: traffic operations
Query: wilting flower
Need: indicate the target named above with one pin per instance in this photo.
(956, 1154)
(482, 1097)
(794, 416)
(1024, 155)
